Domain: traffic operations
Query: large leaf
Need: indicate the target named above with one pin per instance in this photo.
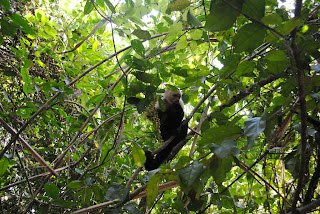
(179, 5)
(75, 184)
(254, 8)
(253, 127)
(138, 47)
(18, 20)
(192, 20)
(116, 192)
(227, 147)
(141, 34)
(230, 64)
(246, 67)
(222, 16)
(52, 190)
(219, 168)
(249, 37)
(218, 134)
(138, 156)
(5, 4)
(88, 7)
(138, 64)
(153, 189)
(191, 174)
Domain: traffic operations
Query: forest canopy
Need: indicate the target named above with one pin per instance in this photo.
(78, 79)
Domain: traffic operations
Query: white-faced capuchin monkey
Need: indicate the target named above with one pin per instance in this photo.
(170, 125)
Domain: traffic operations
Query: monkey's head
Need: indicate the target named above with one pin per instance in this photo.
(172, 96)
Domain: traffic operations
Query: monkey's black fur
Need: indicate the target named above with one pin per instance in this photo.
(170, 122)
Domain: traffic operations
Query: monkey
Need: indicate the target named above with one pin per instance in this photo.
(171, 125)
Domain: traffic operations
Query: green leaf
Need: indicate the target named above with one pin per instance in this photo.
(272, 19)
(75, 184)
(222, 16)
(18, 20)
(138, 64)
(100, 3)
(219, 168)
(142, 34)
(192, 20)
(116, 192)
(277, 67)
(52, 190)
(191, 174)
(138, 47)
(174, 30)
(288, 26)
(254, 8)
(246, 67)
(4, 164)
(196, 34)
(182, 44)
(26, 78)
(110, 5)
(88, 7)
(253, 127)
(230, 64)
(277, 61)
(7, 29)
(153, 189)
(218, 134)
(138, 155)
(145, 77)
(249, 37)
(179, 5)
(170, 22)
(227, 147)
(276, 55)
(50, 30)
(5, 5)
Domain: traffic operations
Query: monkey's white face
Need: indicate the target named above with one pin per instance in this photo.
(172, 97)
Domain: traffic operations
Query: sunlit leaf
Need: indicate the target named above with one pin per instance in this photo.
(152, 188)
(4, 164)
(179, 5)
(182, 44)
(138, 155)
(196, 34)
(88, 7)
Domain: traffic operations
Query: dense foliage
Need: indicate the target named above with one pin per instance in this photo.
(78, 77)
